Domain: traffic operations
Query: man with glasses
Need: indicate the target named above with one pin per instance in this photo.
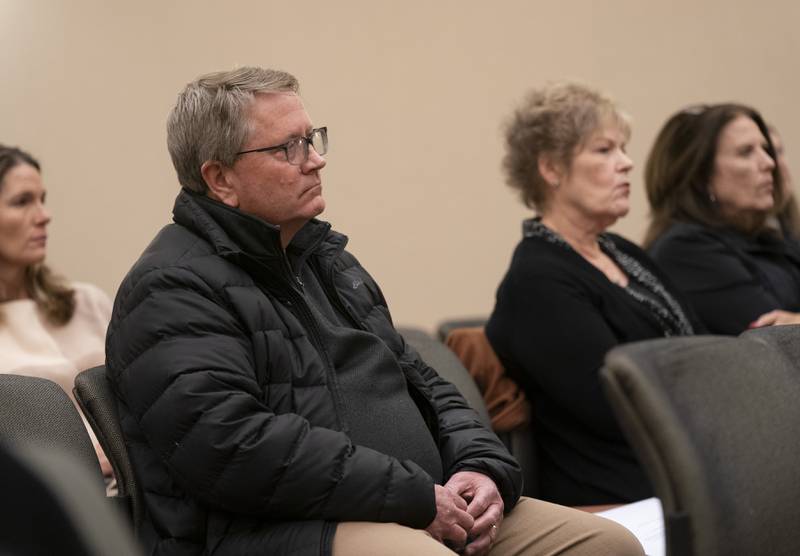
(269, 405)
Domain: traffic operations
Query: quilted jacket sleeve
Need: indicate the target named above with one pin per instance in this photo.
(183, 367)
(465, 443)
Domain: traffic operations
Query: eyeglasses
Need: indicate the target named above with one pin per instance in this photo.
(296, 150)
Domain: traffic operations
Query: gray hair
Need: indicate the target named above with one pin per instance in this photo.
(209, 120)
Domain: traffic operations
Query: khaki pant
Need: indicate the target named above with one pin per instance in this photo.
(532, 528)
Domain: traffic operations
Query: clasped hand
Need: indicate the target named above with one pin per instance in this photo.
(469, 510)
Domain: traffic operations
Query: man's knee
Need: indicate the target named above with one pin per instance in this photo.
(384, 539)
(613, 538)
(537, 527)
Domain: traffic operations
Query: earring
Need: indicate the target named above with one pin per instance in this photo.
(554, 185)
(712, 197)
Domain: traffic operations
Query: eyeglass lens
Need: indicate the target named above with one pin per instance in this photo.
(297, 150)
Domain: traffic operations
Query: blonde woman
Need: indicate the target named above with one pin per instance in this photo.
(574, 290)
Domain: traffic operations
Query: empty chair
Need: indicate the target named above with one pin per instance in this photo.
(36, 411)
(714, 422)
(94, 395)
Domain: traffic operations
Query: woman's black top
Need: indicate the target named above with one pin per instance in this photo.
(555, 317)
(729, 277)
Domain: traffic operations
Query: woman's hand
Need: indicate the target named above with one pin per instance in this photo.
(776, 317)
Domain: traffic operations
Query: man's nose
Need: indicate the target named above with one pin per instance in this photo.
(315, 161)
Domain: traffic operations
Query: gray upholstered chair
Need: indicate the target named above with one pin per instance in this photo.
(53, 504)
(438, 356)
(715, 421)
(786, 338)
(94, 395)
(37, 412)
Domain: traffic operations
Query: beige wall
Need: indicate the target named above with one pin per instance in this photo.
(413, 93)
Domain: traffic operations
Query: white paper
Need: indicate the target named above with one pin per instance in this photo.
(644, 519)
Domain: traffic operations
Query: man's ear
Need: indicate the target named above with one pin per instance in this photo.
(217, 179)
(550, 170)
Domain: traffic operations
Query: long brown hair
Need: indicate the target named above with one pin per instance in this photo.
(789, 218)
(788, 214)
(680, 165)
(50, 292)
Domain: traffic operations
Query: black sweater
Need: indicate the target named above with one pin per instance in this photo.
(555, 318)
(730, 278)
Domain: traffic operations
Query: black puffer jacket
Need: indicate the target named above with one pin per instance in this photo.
(230, 406)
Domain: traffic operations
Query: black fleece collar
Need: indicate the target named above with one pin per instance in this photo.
(232, 231)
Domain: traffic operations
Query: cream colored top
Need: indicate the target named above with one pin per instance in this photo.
(31, 346)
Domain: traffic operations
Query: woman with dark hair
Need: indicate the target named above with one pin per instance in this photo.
(715, 190)
(574, 290)
(48, 328)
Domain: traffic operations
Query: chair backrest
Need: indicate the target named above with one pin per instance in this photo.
(714, 421)
(786, 338)
(95, 396)
(36, 411)
(446, 327)
(51, 504)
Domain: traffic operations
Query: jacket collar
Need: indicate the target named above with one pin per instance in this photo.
(232, 232)
(228, 230)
